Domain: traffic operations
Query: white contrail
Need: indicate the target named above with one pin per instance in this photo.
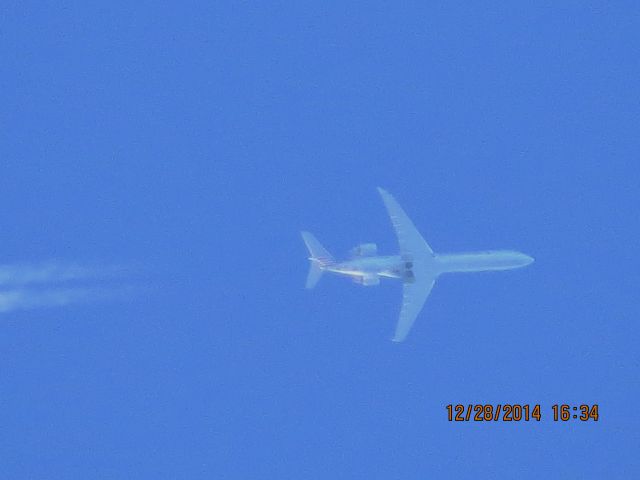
(54, 284)
(52, 297)
(52, 272)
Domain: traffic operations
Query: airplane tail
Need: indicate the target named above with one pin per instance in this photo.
(319, 256)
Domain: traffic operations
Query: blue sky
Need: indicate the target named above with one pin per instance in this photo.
(194, 141)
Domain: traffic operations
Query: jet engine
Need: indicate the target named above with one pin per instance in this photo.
(364, 250)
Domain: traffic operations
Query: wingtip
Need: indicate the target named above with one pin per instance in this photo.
(383, 192)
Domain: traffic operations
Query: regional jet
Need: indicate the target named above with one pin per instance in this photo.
(416, 265)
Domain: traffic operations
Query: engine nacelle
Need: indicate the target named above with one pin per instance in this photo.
(371, 280)
(367, 280)
(364, 250)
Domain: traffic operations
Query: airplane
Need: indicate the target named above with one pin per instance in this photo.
(416, 265)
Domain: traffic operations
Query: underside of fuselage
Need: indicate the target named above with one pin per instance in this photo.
(364, 270)
(395, 266)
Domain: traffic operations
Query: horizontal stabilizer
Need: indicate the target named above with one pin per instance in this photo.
(316, 250)
(315, 272)
(319, 256)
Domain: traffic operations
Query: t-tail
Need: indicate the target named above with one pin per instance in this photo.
(319, 257)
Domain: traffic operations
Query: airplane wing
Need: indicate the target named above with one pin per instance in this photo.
(413, 297)
(415, 248)
(410, 240)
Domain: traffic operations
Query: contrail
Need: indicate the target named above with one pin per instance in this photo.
(52, 297)
(54, 284)
(53, 272)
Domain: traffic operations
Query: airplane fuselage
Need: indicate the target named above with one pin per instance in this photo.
(383, 266)
(416, 265)
(394, 266)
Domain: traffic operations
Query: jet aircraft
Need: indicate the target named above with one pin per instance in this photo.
(416, 265)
